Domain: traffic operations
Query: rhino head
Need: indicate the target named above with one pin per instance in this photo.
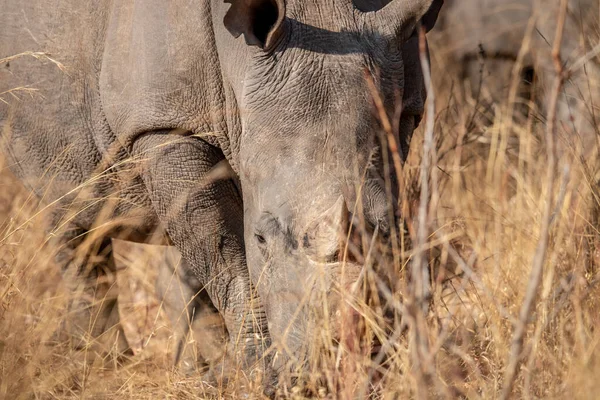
(309, 148)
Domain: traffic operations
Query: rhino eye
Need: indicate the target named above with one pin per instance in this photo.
(306, 241)
(260, 239)
(335, 257)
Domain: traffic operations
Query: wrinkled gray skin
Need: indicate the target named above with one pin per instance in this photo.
(248, 156)
(472, 34)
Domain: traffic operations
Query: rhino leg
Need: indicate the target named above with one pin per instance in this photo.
(196, 199)
(199, 334)
(89, 272)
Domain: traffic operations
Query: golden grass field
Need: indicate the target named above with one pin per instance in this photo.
(486, 221)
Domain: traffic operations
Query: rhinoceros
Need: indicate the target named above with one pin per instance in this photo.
(481, 40)
(240, 130)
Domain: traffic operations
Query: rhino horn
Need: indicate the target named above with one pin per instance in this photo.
(328, 231)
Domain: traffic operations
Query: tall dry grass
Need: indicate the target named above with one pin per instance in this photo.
(461, 336)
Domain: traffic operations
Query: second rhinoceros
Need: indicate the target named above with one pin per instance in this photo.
(483, 41)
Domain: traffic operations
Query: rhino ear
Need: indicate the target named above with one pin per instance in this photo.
(400, 17)
(431, 16)
(261, 21)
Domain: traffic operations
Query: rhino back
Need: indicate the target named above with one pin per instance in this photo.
(103, 72)
(49, 119)
(470, 26)
(160, 69)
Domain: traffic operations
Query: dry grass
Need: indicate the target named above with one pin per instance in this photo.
(484, 227)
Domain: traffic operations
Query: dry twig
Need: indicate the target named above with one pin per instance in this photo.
(419, 289)
(539, 258)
